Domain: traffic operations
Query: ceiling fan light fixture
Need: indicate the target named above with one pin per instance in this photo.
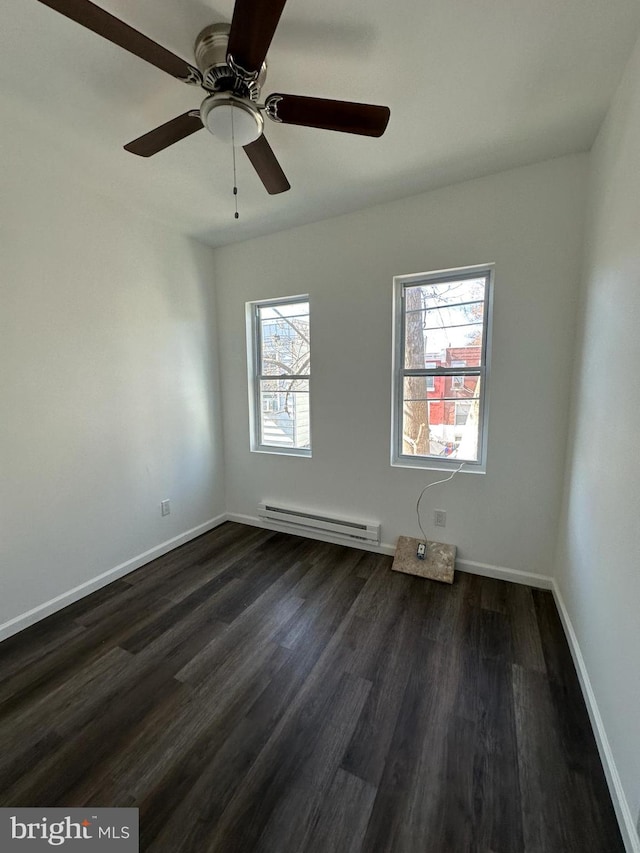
(232, 119)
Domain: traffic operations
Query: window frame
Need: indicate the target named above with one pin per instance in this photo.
(399, 372)
(254, 358)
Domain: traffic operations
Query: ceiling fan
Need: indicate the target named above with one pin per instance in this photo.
(231, 68)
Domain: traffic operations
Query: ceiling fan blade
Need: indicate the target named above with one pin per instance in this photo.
(108, 26)
(269, 170)
(345, 116)
(165, 135)
(252, 27)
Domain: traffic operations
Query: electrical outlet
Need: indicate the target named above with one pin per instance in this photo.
(165, 507)
(440, 518)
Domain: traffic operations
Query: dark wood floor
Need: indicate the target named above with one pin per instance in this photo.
(253, 691)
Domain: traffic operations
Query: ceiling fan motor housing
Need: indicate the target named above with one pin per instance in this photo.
(217, 74)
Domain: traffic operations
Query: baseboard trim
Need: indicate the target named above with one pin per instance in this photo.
(503, 574)
(19, 623)
(620, 804)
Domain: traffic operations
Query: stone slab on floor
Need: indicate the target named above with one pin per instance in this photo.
(438, 565)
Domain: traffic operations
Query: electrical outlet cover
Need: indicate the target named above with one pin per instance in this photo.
(440, 518)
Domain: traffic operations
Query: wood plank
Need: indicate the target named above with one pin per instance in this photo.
(343, 816)
(300, 798)
(193, 758)
(406, 793)
(527, 647)
(49, 782)
(277, 804)
(591, 803)
(544, 780)
(59, 662)
(497, 816)
(493, 595)
(390, 664)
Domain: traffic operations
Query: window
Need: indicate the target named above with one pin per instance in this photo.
(279, 364)
(441, 361)
(463, 410)
(431, 379)
(457, 381)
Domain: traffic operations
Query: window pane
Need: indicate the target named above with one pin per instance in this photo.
(284, 413)
(444, 422)
(462, 386)
(457, 343)
(451, 292)
(456, 315)
(284, 336)
(284, 385)
(444, 335)
(288, 309)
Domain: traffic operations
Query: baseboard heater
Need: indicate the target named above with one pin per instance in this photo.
(356, 531)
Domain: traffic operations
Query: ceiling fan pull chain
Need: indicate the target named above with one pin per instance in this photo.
(235, 180)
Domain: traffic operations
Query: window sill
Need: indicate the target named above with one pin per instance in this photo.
(282, 451)
(438, 465)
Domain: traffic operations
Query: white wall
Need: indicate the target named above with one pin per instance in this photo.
(529, 222)
(599, 553)
(108, 381)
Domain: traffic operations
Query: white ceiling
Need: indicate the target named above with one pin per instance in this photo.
(474, 86)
